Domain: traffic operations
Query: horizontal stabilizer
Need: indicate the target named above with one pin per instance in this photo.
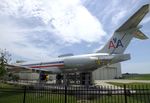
(140, 35)
(134, 20)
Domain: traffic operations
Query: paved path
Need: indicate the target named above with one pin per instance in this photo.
(126, 81)
(106, 84)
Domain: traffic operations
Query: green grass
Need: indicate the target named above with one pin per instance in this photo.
(54, 98)
(6, 85)
(121, 99)
(12, 97)
(48, 98)
(10, 93)
(137, 77)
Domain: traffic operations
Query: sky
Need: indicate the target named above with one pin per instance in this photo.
(43, 29)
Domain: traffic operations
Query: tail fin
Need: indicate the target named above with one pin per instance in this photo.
(122, 36)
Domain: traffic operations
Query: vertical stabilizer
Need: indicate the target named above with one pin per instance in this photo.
(124, 34)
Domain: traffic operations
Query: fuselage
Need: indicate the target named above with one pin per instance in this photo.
(87, 62)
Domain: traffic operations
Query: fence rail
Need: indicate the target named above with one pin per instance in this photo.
(74, 94)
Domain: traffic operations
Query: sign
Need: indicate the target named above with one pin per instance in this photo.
(115, 43)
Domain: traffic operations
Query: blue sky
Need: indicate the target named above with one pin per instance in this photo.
(42, 29)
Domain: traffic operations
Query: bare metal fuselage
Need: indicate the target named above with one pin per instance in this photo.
(78, 63)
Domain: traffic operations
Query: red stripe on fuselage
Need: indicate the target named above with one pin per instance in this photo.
(46, 66)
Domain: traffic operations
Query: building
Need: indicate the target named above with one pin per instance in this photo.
(111, 72)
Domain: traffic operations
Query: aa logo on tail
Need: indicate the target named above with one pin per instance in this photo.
(115, 43)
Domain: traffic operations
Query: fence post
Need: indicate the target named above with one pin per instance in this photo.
(24, 95)
(65, 93)
(125, 93)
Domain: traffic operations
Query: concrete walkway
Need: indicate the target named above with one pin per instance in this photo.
(104, 83)
(125, 81)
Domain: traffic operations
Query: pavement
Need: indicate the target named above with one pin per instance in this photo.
(125, 81)
(105, 83)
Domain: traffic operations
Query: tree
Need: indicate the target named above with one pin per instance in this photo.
(4, 59)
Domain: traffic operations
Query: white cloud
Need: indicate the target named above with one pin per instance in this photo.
(81, 27)
(98, 49)
(71, 20)
(118, 16)
(13, 39)
(68, 20)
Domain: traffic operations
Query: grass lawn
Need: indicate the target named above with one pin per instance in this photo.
(137, 77)
(37, 97)
(54, 98)
(6, 85)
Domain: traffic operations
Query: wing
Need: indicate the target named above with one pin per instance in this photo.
(18, 68)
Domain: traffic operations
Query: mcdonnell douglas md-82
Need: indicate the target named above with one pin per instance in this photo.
(111, 53)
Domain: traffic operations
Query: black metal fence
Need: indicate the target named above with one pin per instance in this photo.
(76, 94)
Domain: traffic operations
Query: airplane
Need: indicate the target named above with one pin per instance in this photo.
(111, 53)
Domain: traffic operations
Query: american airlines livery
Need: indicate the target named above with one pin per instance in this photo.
(112, 52)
